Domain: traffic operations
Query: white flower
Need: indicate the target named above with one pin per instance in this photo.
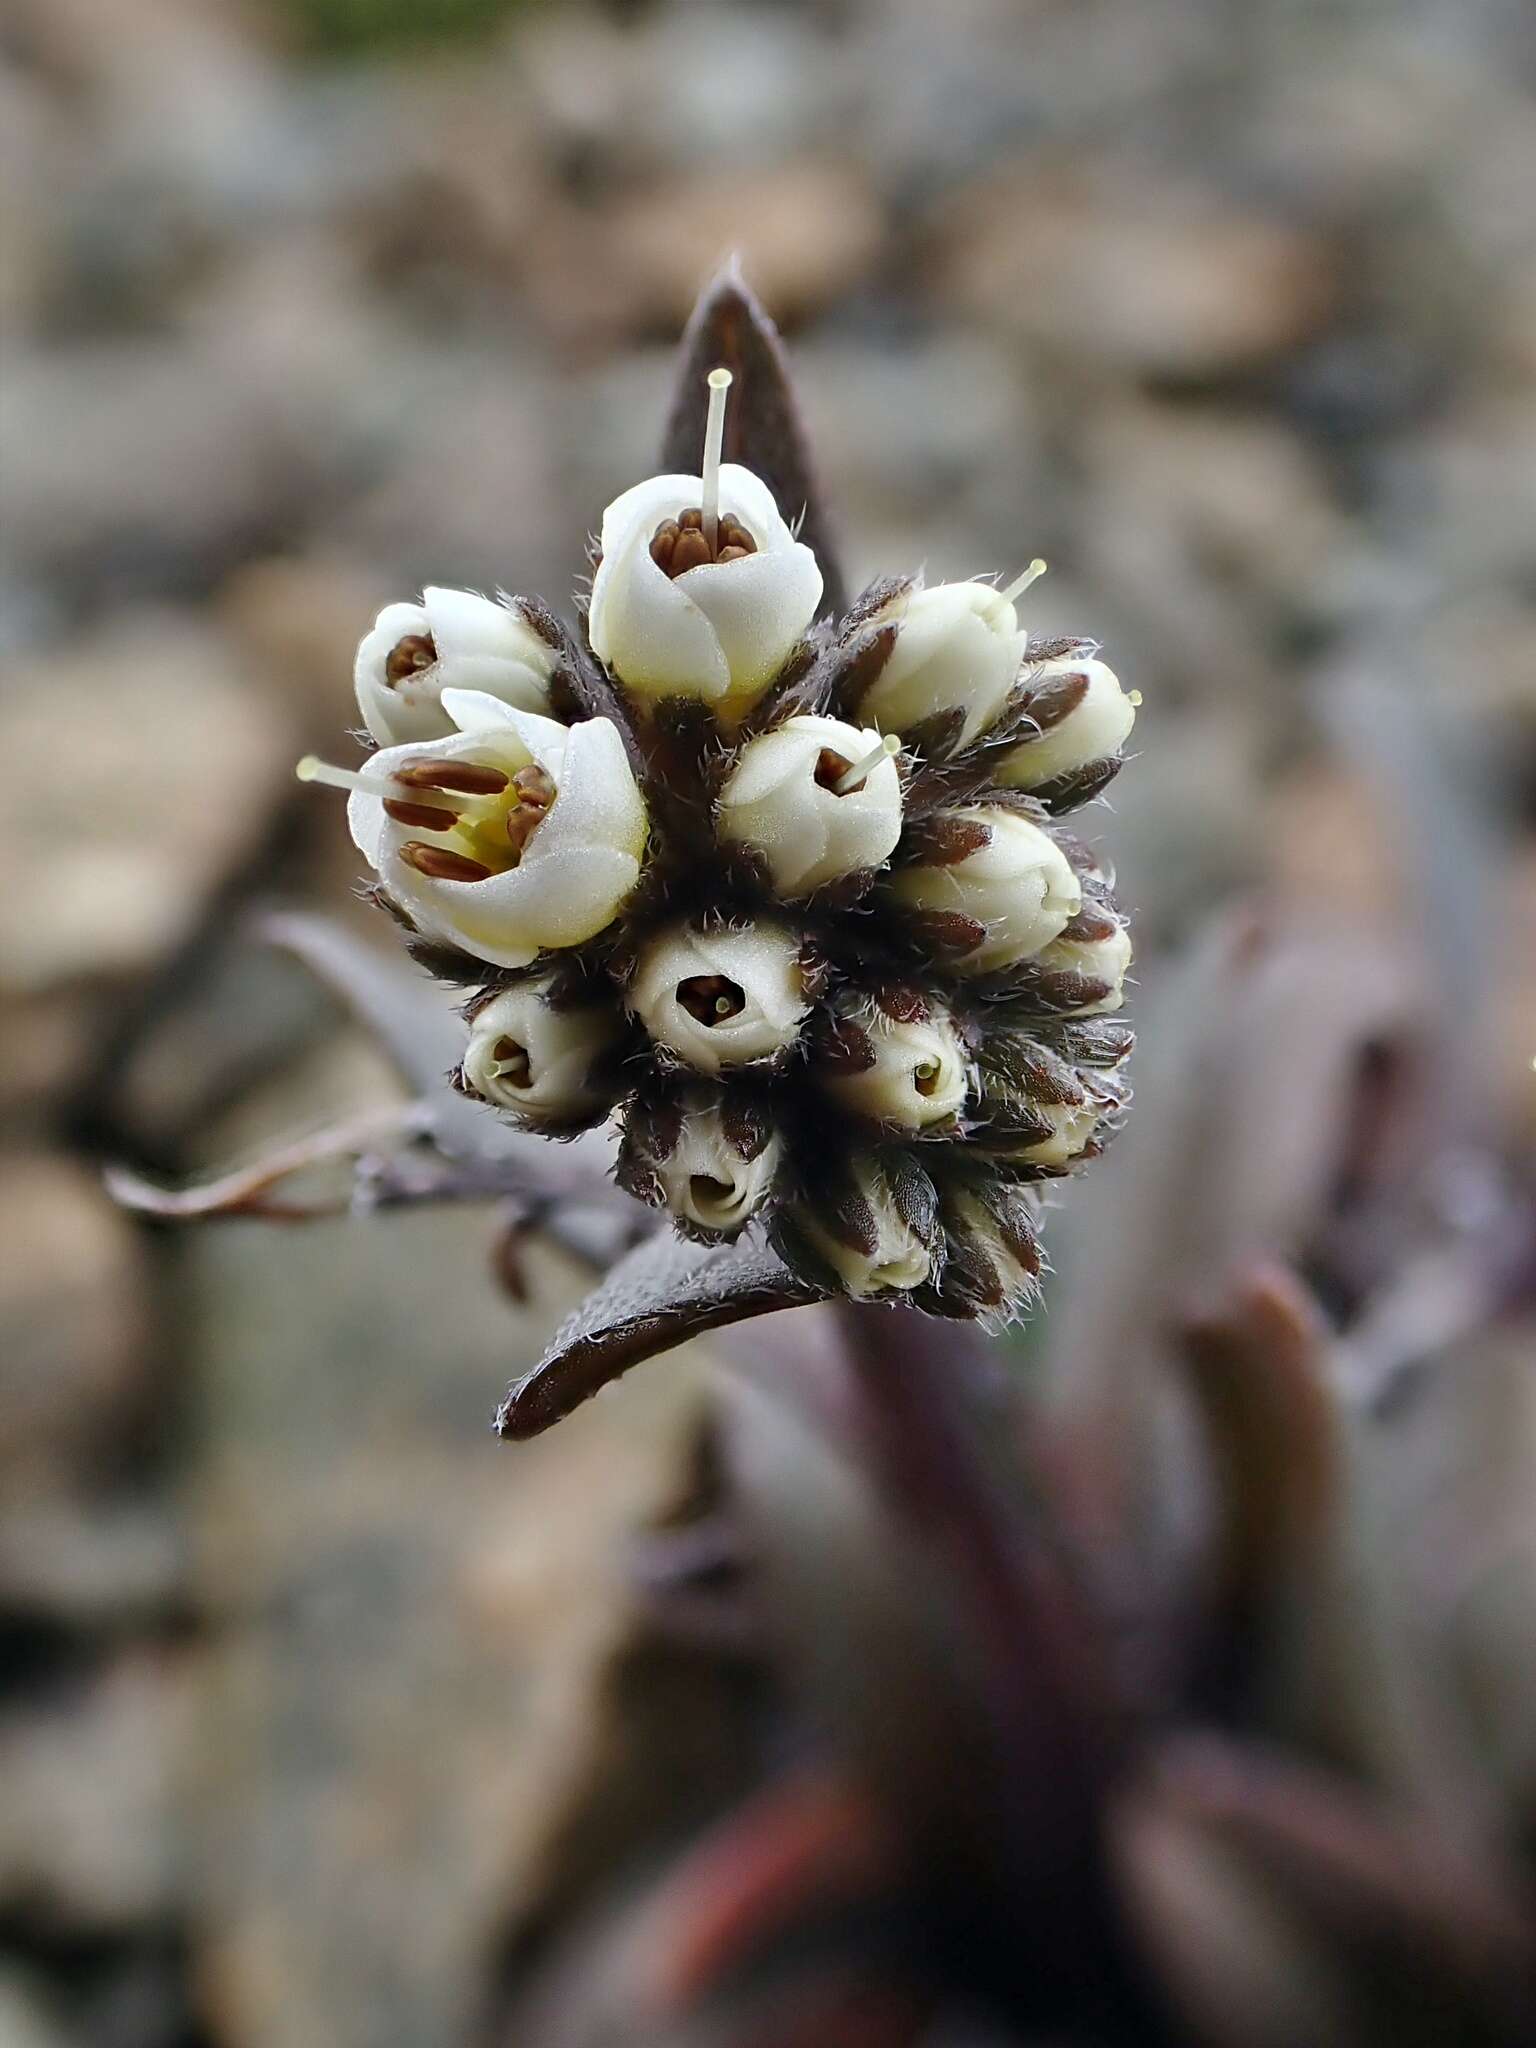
(876, 1249)
(1017, 883)
(511, 835)
(959, 647)
(452, 640)
(783, 798)
(719, 630)
(705, 1178)
(919, 1073)
(721, 998)
(530, 1055)
(1103, 959)
(1096, 728)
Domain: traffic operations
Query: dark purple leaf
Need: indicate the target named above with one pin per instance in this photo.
(663, 1293)
(763, 428)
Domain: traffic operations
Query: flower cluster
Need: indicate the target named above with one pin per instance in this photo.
(789, 896)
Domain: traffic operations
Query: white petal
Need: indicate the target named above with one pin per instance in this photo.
(464, 622)
(759, 606)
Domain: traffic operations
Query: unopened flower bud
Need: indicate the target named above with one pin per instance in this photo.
(718, 1173)
(511, 835)
(538, 1057)
(958, 651)
(1015, 886)
(1095, 961)
(452, 640)
(907, 1073)
(680, 612)
(876, 1230)
(818, 799)
(1085, 715)
(1073, 1127)
(721, 998)
(992, 1259)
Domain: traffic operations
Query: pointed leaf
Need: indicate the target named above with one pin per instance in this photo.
(763, 428)
(663, 1293)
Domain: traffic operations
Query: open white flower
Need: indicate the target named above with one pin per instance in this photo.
(452, 640)
(958, 648)
(536, 1057)
(680, 612)
(797, 796)
(1017, 883)
(919, 1072)
(721, 998)
(511, 835)
(1095, 729)
(704, 1177)
(874, 1248)
(1105, 959)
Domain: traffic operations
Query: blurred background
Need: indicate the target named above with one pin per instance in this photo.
(1226, 307)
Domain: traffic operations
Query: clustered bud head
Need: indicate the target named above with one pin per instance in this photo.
(452, 640)
(1017, 884)
(796, 797)
(538, 1056)
(787, 897)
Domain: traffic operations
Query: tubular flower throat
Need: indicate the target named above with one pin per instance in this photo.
(790, 899)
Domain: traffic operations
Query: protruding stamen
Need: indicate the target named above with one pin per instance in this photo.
(925, 1077)
(442, 865)
(1022, 581)
(312, 769)
(423, 817)
(855, 777)
(1133, 697)
(714, 440)
(468, 778)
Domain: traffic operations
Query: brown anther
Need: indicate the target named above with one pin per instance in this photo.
(512, 1062)
(681, 544)
(442, 865)
(535, 792)
(830, 769)
(925, 1078)
(424, 817)
(692, 552)
(711, 998)
(535, 788)
(408, 657)
(706, 1191)
(468, 778)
